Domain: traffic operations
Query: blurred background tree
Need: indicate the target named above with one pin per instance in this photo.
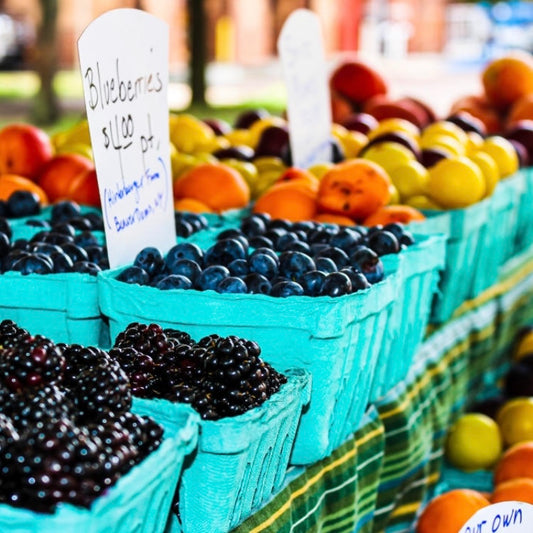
(198, 51)
(46, 108)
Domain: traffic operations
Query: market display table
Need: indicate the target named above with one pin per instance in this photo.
(377, 480)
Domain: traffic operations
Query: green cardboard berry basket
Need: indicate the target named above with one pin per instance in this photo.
(465, 230)
(336, 339)
(139, 502)
(63, 306)
(240, 461)
(420, 267)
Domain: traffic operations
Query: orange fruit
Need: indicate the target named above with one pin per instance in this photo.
(519, 490)
(217, 185)
(479, 107)
(9, 183)
(299, 176)
(508, 78)
(330, 218)
(354, 188)
(449, 511)
(289, 201)
(522, 109)
(394, 213)
(190, 205)
(516, 461)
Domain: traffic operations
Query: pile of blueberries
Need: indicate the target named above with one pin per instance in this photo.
(65, 242)
(274, 257)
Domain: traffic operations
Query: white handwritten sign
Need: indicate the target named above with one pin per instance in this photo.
(301, 51)
(124, 65)
(503, 517)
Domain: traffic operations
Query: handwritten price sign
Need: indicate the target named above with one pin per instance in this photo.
(503, 517)
(124, 65)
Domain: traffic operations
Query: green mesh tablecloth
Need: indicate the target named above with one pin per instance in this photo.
(377, 480)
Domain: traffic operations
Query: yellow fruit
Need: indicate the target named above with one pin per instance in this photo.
(410, 179)
(211, 145)
(503, 153)
(456, 182)
(444, 141)
(475, 142)
(187, 132)
(79, 133)
(352, 143)
(265, 180)
(238, 137)
(524, 346)
(395, 124)
(443, 127)
(256, 129)
(76, 148)
(489, 170)
(246, 169)
(394, 195)
(268, 163)
(319, 169)
(388, 155)
(421, 201)
(515, 419)
(474, 442)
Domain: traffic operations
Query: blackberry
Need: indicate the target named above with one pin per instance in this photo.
(100, 390)
(149, 339)
(79, 358)
(11, 334)
(37, 406)
(31, 362)
(145, 433)
(182, 371)
(143, 373)
(180, 336)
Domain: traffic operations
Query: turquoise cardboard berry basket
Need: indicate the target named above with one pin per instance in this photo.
(524, 230)
(240, 461)
(138, 503)
(63, 307)
(336, 339)
(420, 267)
(465, 230)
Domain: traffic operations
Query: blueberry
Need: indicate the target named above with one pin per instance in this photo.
(23, 204)
(239, 267)
(185, 250)
(267, 251)
(312, 282)
(44, 248)
(4, 212)
(373, 229)
(231, 284)
(184, 229)
(185, 267)
(13, 256)
(346, 239)
(396, 228)
(64, 228)
(231, 233)
(253, 226)
(58, 238)
(62, 262)
(150, 260)
(211, 276)
(326, 265)
(286, 240)
(274, 234)
(32, 264)
(280, 223)
(319, 235)
(336, 284)
(257, 283)
(5, 227)
(407, 239)
(85, 238)
(299, 246)
(95, 220)
(4, 244)
(223, 252)
(86, 267)
(95, 253)
(134, 274)
(19, 244)
(76, 253)
(38, 223)
(293, 265)
(283, 289)
(375, 274)
(305, 225)
(196, 220)
(80, 223)
(383, 242)
(174, 281)
(358, 279)
(264, 264)
(364, 259)
(65, 210)
(338, 255)
(260, 241)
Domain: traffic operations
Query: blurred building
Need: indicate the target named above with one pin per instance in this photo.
(245, 31)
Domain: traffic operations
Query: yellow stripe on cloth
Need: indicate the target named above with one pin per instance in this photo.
(319, 475)
(412, 508)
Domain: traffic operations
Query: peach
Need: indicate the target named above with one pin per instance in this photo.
(357, 81)
(24, 150)
(382, 107)
(479, 107)
(58, 174)
(84, 189)
(341, 108)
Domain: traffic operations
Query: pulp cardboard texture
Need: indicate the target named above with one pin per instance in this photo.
(240, 461)
(139, 502)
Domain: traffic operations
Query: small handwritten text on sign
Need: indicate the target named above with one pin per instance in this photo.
(503, 517)
(124, 67)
